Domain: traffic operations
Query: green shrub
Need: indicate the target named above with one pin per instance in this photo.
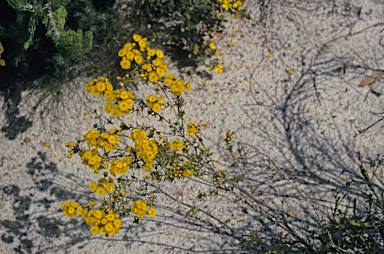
(36, 24)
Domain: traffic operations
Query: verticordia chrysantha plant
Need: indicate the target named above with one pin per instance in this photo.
(110, 155)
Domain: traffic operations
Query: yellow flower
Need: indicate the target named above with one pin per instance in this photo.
(171, 76)
(178, 87)
(124, 95)
(191, 130)
(104, 221)
(152, 211)
(112, 139)
(79, 209)
(145, 66)
(115, 112)
(219, 68)
(102, 231)
(139, 59)
(108, 107)
(143, 43)
(161, 99)
(125, 63)
(122, 52)
(99, 214)
(164, 67)
(153, 77)
(1, 48)
(124, 106)
(152, 52)
(117, 223)
(73, 204)
(137, 37)
(84, 213)
(157, 61)
(110, 188)
(160, 71)
(141, 214)
(128, 46)
(130, 94)
(94, 230)
(109, 217)
(2, 62)
(100, 86)
(159, 54)
(92, 186)
(168, 82)
(71, 210)
(92, 203)
(156, 107)
(109, 227)
(130, 55)
(188, 86)
(212, 46)
(101, 191)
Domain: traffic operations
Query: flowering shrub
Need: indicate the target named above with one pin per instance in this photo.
(162, 159)
(184, 24)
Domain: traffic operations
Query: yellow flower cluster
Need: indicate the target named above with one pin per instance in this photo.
(188, 172)
(176, 145)
(178, 170)
(92, 159)
(144, 148)
(226, 4)
(123, 100)
(155, 103)
(139, 208)
(120, 167)
(102, 222)
(153, 70)
(178, 86)
(105, 140)
(2, 61)
(99, 86)
(229, 136)
(191, 129)
(103, 187)
(70, 208)
(219, 68)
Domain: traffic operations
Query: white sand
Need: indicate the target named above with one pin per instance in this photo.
(313, 143)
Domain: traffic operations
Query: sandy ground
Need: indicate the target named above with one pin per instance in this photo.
(271, 104)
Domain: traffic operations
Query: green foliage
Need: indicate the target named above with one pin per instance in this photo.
(181, 26)
(76, 43)
(30, 16)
